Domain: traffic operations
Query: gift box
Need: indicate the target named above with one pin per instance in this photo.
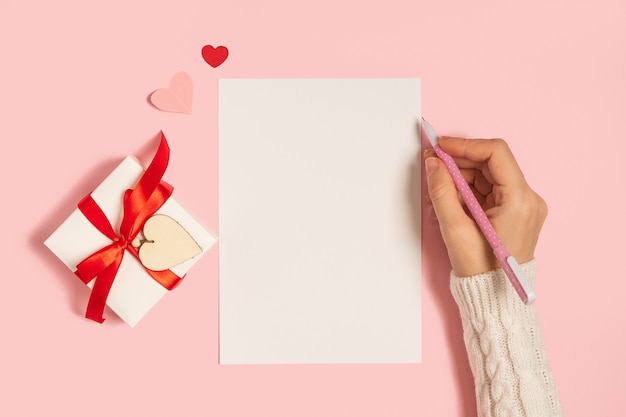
(83, 243)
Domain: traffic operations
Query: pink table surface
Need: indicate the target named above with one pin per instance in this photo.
(548, 76)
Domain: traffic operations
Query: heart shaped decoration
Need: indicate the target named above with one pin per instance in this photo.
(166, 244)
(214, 56)
(178, 97)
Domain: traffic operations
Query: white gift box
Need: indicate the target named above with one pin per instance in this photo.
(134, 292)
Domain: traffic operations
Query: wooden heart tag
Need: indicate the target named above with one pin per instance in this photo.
(166, 244)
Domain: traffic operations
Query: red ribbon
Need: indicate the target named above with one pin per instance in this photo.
(139, 204)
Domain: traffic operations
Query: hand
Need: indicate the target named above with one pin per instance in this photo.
(516, 212)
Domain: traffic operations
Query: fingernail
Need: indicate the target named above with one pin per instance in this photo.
(431, 165)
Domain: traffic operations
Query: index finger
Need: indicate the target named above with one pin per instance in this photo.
(496, 153)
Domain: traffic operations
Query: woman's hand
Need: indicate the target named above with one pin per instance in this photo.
(515, 210)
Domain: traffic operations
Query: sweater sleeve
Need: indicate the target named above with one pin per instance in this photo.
(504, 342)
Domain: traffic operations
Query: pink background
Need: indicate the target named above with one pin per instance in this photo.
(548, 76)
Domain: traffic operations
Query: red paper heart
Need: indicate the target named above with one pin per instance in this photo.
(214, 56)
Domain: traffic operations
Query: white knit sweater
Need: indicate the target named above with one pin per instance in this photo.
(505, 346)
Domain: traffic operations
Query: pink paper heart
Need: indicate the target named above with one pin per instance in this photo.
(178, 97)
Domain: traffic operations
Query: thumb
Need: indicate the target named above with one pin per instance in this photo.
(443, 194)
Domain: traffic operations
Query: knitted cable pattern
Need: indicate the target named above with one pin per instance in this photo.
(505, 347)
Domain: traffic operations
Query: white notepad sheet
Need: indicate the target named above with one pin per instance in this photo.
(319, 248)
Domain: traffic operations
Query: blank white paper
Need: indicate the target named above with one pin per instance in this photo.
(319, 248)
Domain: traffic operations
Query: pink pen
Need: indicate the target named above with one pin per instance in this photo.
(507, 261)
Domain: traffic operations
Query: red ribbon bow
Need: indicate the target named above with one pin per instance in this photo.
(139, 204)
